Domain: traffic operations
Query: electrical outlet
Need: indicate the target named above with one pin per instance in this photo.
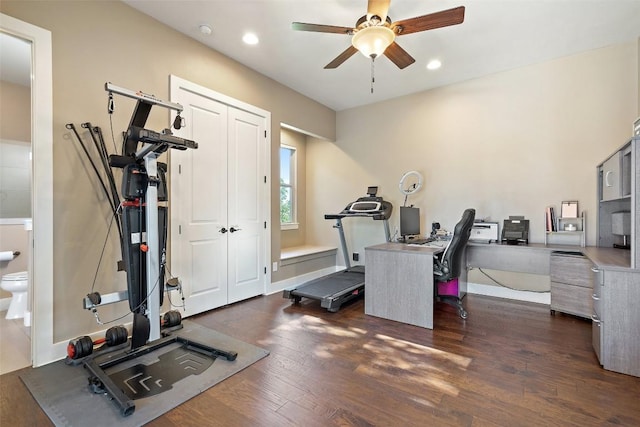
(275, 266)
(356, 256)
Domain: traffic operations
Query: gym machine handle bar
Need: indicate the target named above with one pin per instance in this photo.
(151, 99)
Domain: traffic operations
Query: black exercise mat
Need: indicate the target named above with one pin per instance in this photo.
(63, 392)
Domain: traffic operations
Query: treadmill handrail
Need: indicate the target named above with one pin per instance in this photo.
(375, 216)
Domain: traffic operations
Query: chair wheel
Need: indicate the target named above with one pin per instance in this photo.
(463, 313)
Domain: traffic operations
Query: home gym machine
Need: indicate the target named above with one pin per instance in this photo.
(337, 288)
(143, 244)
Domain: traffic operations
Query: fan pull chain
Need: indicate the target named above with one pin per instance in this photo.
(373, 78)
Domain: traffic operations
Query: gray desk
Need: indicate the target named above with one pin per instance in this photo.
(399, 283)
(532, 258)
(399, 277)
(535, 257)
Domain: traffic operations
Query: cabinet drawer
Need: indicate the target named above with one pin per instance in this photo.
(574, 270)
(571, 299)
(597, 292)
(597, 336)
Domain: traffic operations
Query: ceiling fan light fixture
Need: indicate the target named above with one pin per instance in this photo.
(373, 41)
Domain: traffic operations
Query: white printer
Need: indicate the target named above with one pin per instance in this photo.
(484, 232)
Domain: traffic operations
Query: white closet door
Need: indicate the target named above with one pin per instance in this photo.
(217, 187)
(246, 189)
(199, 205)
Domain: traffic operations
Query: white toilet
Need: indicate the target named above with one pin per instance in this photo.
(17, 284)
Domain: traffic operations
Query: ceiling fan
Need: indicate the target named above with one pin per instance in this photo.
(374, 33)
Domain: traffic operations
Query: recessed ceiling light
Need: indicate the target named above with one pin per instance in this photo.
(205, 29)
(434, 64)
(250, 38)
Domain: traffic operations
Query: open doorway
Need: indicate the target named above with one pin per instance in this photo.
(15, 200)
(40, 272)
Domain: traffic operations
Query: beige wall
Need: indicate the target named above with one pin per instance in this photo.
(510, 143)
(96, 42)
(291, 238)
(15, 104)
(507, 144)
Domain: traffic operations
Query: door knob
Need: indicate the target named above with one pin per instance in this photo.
(233, 229)
(223, 230)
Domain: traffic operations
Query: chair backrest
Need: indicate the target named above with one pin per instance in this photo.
(452, 256)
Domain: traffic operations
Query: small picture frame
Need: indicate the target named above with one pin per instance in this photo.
(569, 209)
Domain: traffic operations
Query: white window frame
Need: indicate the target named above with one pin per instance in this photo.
(294, 189)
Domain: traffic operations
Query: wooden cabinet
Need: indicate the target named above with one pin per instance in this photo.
(618, 191)
(616, 318)
(571, 283)
(616, 289)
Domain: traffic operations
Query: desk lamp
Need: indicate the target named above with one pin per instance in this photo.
(621, 226)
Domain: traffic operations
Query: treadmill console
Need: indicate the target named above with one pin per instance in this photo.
(370, 205)
(365, 206)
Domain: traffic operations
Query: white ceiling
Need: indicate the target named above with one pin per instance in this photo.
(496, 35)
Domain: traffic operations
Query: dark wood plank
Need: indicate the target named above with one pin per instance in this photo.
(510, 363)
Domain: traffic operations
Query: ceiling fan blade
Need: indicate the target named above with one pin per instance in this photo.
(441, 19)
(341, 58)
(378, 7)
(300, 26)
(398, 56)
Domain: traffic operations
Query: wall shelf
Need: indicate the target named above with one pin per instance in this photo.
(564, 236)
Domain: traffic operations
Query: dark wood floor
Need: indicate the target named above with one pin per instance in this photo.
(509, 364)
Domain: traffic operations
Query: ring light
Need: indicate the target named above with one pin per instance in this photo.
(413, 186)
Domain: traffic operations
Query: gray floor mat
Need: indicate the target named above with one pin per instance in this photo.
(63, 393)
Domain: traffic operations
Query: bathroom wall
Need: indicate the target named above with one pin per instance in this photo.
(15, 179)
(15, 103)
(15, 148)
(15, 174)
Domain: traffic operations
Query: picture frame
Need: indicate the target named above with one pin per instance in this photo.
(569, 209)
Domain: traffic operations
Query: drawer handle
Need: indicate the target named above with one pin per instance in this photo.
(595, 319)
(595, 297)
(595, 270)
(606, 179)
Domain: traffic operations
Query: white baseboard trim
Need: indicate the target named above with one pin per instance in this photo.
(299, 280)
(4, 304)
(500, 292)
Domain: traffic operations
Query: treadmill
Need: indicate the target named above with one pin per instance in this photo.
(337, 288)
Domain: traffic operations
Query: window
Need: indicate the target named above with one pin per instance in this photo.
(288, 218)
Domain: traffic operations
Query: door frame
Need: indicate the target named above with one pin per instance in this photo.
(178, 83)
(43, 348)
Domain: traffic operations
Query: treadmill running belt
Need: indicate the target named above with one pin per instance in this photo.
(328, 286)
